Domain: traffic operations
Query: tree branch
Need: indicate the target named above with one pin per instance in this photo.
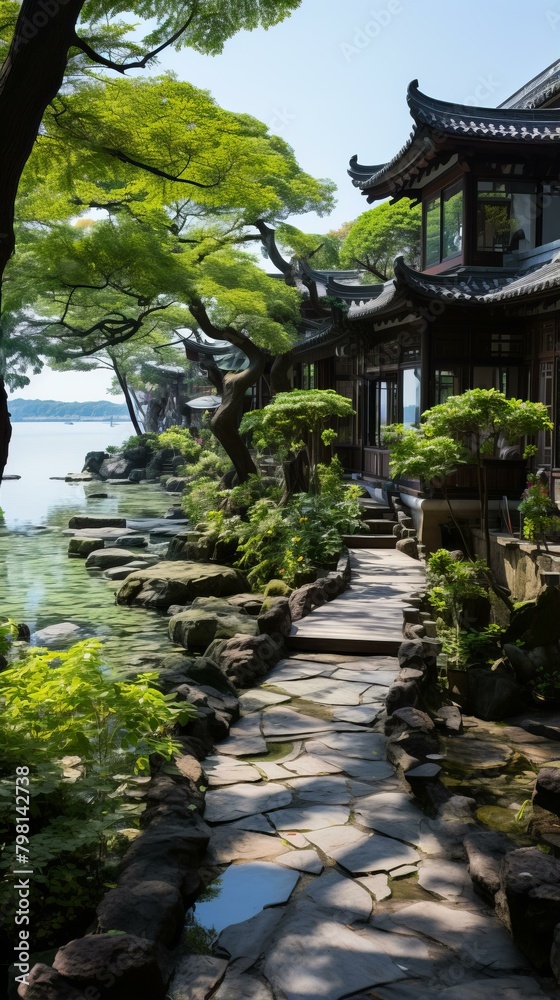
(80, 43)
(371, 269)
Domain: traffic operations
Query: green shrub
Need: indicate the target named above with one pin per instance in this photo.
(200, 498)
(86, 738)
(181, 441)
(538, 510)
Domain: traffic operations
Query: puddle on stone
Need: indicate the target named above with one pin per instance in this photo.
(243, 891)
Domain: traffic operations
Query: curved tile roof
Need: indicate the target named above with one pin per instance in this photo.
(436, 121)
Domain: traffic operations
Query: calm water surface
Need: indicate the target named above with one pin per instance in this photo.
(39, 584)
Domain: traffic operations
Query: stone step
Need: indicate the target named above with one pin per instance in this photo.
(380, 526)
(318, 642)
(370, 541)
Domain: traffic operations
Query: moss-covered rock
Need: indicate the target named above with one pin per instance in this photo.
(83, 547)
(180, 582)
(196, 628)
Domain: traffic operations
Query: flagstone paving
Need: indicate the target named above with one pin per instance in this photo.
(327, 879)
(335, 882)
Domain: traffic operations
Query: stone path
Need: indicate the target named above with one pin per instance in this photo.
(366, 618)
(332, 882)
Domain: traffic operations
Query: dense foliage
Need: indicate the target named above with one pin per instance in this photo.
(86, 737)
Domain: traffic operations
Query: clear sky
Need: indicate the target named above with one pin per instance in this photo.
(332, 81)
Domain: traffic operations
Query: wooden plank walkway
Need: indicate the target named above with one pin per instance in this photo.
(366, 618)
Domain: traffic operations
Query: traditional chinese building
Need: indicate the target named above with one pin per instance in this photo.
(484, 308)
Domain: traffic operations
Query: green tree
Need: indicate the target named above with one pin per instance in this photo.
(296, 424)
(381, 234)
(44, 41)
(467, 429)
(168, 255)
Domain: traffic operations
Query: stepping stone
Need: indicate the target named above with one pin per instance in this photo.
(231, 844)
(243, 800)
(364, 714)
(196, 977)
(404, 871)
(342, 898)
(224, 771)
(391, 813)
(247, 726)
(309, 818)
(471, 753)
(295, 839)
(412, 955)
(241, 986)
(312, 957)
(368, 769)
(378, 885)
(253, 701)
(243, 891)
(308, 764)
(258, 823)
(303, 861)
(364, 677)
(243, 746)
(290, 670)
(478, 935)
(284, 722)
(446, 878)
(324, 691)
(362, 853)
(368, 746)
(332, 790)
(246, 941)
(274, 772)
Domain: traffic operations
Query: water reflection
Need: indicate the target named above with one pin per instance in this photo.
(243, 891)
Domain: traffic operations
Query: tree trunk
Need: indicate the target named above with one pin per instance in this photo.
(127, 396)
(225, 421)
(5, 428)
(279, 381)
(30, 78)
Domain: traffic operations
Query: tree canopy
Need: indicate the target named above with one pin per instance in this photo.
(381, 234)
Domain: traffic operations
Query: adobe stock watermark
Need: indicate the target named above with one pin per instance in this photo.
(486, 87)
(29, 27)
(377, 22)
(281, 119)
(22, 871)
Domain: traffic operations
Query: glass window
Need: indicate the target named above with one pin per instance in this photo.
(505, 216)
(308, 376)
(432, 231)
(545, 396)
(551, 213)
(411, 397)
(446, 384)
(452, 221)
(382, 408)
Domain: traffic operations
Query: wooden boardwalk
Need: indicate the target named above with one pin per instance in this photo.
(366, 618)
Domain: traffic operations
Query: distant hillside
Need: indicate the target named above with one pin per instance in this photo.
(51, 409)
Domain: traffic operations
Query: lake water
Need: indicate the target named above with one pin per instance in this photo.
(39, 584)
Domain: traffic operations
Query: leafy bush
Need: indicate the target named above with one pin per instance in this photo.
(467, 647)
(86, 737)
(181, 441)
(538, 509)
(451, 583)
(200, 498)
(209, 465)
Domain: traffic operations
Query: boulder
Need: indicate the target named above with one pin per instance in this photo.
(123, 964)
(252, 603)
(80, 521)
(107, 558)
(116, 467)
(93, 462)
(449, 718)
(53, 636)
(182, 843)
(547, 790)
(486, 850)
(137, 475)
(118, 572)
(402, 694)
(275, 617)
(521, 662)
(176, 484)
(494, 694)
(83, 547)
(403, 719)
(139, 455)
(409, 546)
(180, 582)
(304, 599)
(151, 909)
(411, 653)
(155, 465)
(243, 659)
(76, 477)
(45, 983)
(132, 541)
(197, 628)
(528, 902)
